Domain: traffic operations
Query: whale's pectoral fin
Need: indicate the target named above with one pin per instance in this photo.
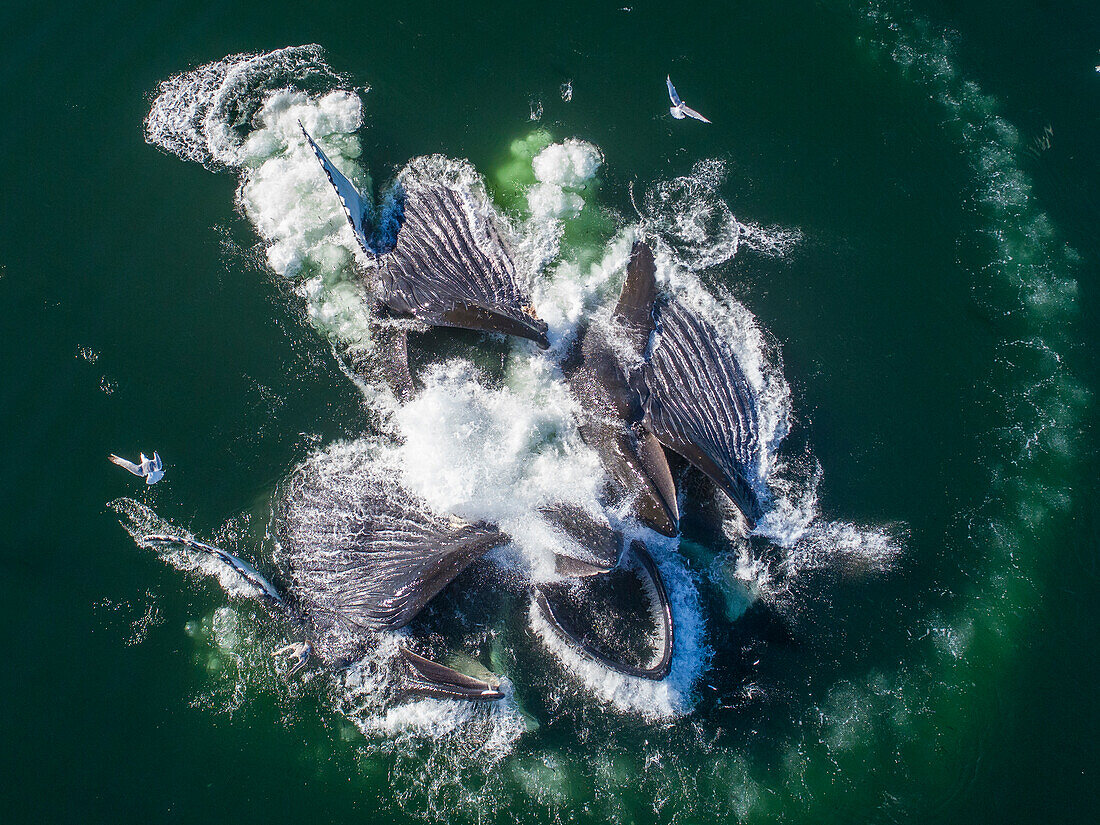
(633, 645)
(356, 207)
(243, 569)
(427, 678)
(635, 308)
(699, 404)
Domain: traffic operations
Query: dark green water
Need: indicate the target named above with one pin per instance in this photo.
(937, 323)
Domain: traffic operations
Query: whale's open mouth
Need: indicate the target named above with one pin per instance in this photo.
(599, 616)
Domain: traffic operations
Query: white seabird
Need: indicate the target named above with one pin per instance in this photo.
(679, 109)
(151, 469)
(298, 653)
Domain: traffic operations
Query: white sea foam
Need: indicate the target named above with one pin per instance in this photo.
(499, 455)
(200, 115)
(242, 113)
(572, 292)
(562, 172)
(699, 227)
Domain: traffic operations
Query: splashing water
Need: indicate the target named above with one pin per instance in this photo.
(242, 113)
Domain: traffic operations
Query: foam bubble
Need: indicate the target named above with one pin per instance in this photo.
(562, 170)
(571, 163)
(699, 227)
(546, 200)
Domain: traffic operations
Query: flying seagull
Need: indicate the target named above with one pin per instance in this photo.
(151, 469)
(679, 109)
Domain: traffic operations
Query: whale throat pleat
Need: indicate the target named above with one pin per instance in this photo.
(451, 266)
(363, 552)
(699, 404)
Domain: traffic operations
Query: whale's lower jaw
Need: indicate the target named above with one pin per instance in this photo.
(660, 610)
(423, 677)
(483, 319)
(465, 315)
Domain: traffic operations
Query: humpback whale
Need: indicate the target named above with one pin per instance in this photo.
(698, 403)
(439, 257)
(421, 676)
(363, 553)
(683, 392)
(611, 407)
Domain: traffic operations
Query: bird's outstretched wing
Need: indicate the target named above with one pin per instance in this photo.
(672, 92)
(157, 463)
(692, 113)
(126, 465)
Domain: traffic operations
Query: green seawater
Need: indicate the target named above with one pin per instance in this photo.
(937, 323)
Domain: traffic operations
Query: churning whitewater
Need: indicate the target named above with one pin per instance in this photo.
(485, 444)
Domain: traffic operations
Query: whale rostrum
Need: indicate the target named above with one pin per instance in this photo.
(611, 409)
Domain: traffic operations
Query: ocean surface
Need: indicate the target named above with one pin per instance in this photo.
(892, 222)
